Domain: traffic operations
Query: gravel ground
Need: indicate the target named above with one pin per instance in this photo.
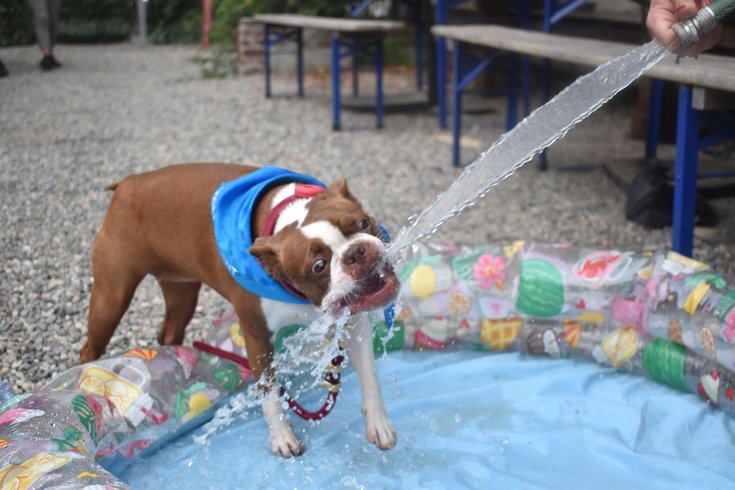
(118, 109)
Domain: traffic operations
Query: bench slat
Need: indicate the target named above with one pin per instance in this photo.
(710, 71)
(330, 23)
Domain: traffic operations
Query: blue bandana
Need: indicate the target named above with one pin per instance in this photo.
(233, 204)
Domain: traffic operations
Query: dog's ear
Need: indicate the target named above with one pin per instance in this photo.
(340, 188)
(265, 249)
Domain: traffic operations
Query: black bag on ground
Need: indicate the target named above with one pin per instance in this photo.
(650, 201)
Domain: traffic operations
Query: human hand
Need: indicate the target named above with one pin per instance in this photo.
(664, 13)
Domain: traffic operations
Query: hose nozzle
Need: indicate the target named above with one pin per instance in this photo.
(692, 30)
(704, 21)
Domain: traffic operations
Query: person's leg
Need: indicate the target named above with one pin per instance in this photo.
(46, 18)
(42, 21)
(3, 70)
(54, 11)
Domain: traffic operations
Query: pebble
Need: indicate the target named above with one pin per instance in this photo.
(113, 110)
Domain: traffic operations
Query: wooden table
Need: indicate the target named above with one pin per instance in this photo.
(349, 37)
(700, 77)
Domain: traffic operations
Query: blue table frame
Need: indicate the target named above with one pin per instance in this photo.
(357, 7)
(688, 145)
(463, 76)
(274, 35)
(554, 11)
(351, 46)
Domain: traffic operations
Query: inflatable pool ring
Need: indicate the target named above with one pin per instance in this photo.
(678, 322)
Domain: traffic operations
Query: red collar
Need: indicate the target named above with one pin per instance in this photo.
(301, 191)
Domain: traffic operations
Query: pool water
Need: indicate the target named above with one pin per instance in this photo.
(474, 420)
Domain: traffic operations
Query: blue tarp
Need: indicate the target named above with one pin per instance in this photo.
(473, 420)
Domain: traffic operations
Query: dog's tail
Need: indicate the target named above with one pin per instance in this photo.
(112, 186)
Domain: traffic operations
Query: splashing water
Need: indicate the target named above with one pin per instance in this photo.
(309, 350)
(538, 131)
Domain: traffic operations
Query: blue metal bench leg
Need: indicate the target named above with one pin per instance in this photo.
(300, 60)
(336, 124)
(512, 117)
(379, 83)
(543, 164)
(526, 85)
(525, 6)
(654, 117)
(456, 103)
(267, 67)
(441, 80)
(355, 71)
(685, 183)
(419, 41)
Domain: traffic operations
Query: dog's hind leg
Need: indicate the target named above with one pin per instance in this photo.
(181, 302)
(111, 296)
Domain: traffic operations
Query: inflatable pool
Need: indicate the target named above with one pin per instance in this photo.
(553, 406)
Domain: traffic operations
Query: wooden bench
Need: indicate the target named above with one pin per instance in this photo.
(528, 14)
(706, 74)
(349, 38)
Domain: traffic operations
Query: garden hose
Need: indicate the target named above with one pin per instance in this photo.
(704, 21)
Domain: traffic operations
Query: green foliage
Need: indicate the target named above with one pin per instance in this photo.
(174, 20)
(81, 21)
(225, 16)
(168, 20)
(16, 23)
(398, 49)
(329, 8)
(220, 62)
(94, 9)
(94, 30)
(92, 21)
(227, 12)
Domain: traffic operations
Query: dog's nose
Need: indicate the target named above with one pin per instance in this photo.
(359, 259)
(355, 254)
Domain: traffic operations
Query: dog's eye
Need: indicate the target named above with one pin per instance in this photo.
(318, 266)
(364, 224)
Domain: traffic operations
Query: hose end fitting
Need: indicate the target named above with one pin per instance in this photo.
(692, 30)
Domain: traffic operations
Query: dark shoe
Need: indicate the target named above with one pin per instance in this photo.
(3, 70)
(49, 63)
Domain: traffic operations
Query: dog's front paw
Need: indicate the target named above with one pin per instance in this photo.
(379, 430)
(285, 443)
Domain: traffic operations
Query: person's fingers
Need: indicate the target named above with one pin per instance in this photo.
(684, 9)
(664, 13)
(710, 39)
(659, 21)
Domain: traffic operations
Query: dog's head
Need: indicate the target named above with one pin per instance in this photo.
(334, 254)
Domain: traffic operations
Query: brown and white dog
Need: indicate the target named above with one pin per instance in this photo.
(321, 245)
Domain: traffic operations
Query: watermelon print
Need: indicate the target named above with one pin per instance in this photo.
(462, 264)
(229, 376)
(541, 289)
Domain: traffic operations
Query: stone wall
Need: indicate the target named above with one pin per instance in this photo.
(250, 48)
